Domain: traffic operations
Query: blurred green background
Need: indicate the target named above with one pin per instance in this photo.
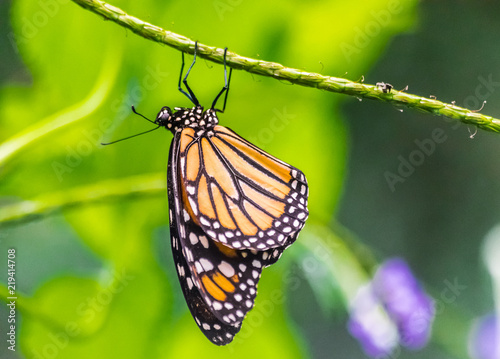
(98, 280)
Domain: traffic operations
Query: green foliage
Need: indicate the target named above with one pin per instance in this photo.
(130, 304)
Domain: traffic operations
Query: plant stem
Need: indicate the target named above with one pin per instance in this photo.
(295, 76)
(37, 132)
(143, 185)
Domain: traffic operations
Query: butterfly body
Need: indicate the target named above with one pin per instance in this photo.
(195, 117)
(234, 209)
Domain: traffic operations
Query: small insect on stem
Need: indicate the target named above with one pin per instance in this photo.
(384, 87)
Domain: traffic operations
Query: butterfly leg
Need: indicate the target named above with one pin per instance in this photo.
(190, 95)
(226, 85)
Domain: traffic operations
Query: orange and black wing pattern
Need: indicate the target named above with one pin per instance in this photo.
(234, 209)
(240, 195)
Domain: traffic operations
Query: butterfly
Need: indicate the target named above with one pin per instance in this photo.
(233, 210)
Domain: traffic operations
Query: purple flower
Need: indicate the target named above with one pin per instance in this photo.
(370, 325)
(484, 339)
(405, 301)
(392, 309)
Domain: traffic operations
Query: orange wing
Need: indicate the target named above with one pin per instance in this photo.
(238, 194)
(218, 282)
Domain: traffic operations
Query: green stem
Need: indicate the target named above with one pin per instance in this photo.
(143, 185)
(48, 126)
(295, 76)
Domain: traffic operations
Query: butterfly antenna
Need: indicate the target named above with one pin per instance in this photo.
(137, 134)
(126, 138)
(144, 117)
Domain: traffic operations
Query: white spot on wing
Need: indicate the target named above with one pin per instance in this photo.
(193, 238)
(206, 264)
(226, 269)
(193, 206)
(204, 241)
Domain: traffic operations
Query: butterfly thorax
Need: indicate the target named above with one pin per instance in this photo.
(186, 117)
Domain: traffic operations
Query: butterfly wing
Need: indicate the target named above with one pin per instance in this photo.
(215, 330)
(238, 194)
(218, 282)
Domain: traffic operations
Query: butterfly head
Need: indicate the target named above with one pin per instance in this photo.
(186, 117)
(163, 118)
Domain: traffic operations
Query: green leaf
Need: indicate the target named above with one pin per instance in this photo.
(75, 317)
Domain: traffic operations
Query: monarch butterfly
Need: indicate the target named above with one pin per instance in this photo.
(233, 209)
